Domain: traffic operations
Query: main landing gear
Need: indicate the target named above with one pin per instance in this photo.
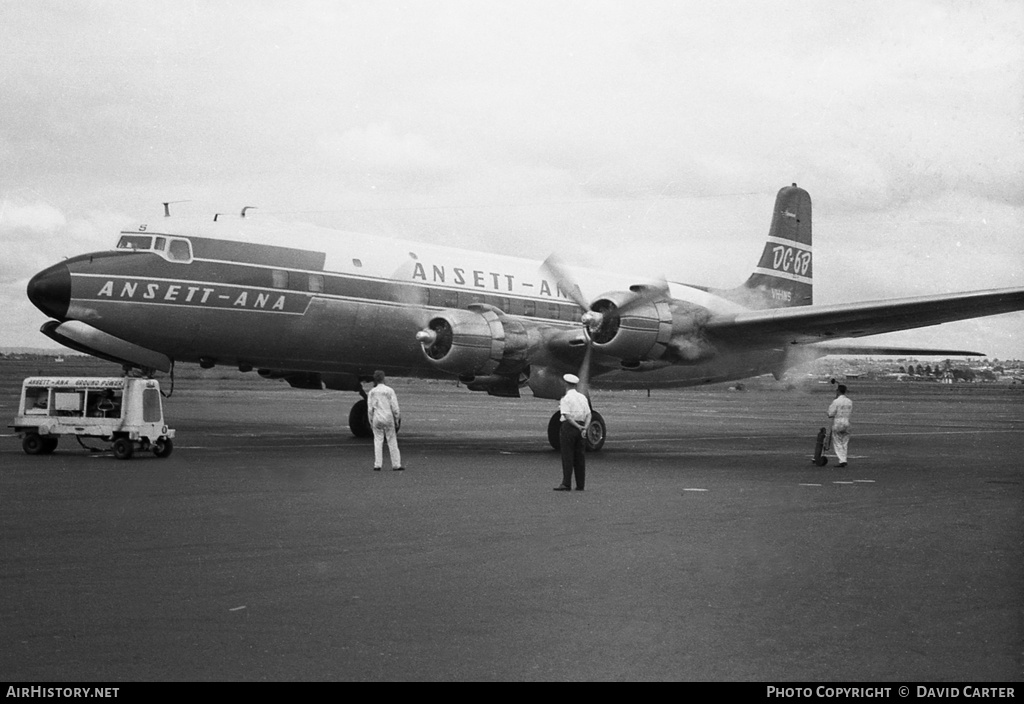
(596, 431)
(359, 419)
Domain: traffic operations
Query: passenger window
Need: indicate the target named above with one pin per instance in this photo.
(280, 278)
(160, 244)
(442, 298)
(316, 283)
(180, 251)
(529, 308)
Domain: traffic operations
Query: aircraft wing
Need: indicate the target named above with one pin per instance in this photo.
(803, 325)
(847, 350)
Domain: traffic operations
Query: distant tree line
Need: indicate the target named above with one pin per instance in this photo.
(957, 374)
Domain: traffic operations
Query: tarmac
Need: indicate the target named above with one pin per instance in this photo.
(707, 546)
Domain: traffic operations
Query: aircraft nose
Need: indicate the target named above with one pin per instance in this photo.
(50, 291)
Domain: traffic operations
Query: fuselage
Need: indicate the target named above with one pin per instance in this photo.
(300, 298)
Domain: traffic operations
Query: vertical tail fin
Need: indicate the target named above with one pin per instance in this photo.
(782, 277)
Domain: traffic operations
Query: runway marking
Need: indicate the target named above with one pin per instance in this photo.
(863, 481)
(841, 482)
(808, 484)
(694, 489)
(237, 608)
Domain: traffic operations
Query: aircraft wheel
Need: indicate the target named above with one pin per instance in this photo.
(33, 444)
(359, 420)
(163, 448)
(596, 432)
(123, 449)
(554, 426)
(49, 445)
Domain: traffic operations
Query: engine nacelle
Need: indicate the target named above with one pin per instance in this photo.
(480, 341)
(629, 330)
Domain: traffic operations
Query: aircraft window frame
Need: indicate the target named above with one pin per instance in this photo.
(171, 246)
(157, 244)
(135, 240)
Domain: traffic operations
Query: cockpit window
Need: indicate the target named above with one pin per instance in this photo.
(135, 242)
(171, 248)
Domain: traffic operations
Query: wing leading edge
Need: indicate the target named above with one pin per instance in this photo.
(805, 325)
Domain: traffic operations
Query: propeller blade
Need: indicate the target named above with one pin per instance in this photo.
(584, 375)
(565, 281)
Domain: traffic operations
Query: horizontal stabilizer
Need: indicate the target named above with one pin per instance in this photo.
(84, 338)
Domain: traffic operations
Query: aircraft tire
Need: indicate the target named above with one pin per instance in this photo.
(33, 444)
(597, 432)
(554, 426)
(123, 449)
(163, 448)
(359, 420)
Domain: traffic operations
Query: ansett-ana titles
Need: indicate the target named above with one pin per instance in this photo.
(205, 295)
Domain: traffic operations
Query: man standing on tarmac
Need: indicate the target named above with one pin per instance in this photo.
(575, 410)
(385, 420)
(840, 412)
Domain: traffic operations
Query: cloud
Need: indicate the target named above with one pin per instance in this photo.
(16, 219)
(36, 235)
(378, 150)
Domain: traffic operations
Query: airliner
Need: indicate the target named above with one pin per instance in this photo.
(322, 309)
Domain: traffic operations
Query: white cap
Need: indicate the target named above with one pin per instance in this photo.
(571, 378)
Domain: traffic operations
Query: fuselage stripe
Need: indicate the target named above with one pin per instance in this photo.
(782, 275)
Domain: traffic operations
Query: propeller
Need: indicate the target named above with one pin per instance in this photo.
(600, 319)
(591, 319)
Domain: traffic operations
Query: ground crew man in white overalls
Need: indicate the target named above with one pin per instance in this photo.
(385, 419)
(839, 411)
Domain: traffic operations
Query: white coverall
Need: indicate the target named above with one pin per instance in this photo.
(839, 411)
(385, 417)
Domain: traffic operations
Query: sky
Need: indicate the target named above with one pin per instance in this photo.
(640, 137)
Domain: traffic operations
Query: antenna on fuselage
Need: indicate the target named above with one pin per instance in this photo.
(167, 206)
(248, 207)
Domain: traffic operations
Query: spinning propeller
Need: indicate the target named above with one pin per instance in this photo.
(600, 318)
